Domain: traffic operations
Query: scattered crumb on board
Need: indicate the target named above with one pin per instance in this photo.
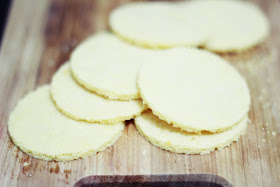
(25, 164)
(144, 152)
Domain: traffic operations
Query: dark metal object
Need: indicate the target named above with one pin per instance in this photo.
(191, 180)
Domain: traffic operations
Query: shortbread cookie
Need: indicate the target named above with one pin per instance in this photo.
(41, 131)
(237, 25)
(158, 25)
(167, 137)
(222, 26)
(77, 102)
(194, 90)
(105, 64)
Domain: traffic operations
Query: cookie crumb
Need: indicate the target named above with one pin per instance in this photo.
(25, 164)
(144, 152)
(266, 105)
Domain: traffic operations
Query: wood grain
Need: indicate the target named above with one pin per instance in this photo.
(40, 36)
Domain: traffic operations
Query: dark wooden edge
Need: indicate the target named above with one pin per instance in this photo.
(4, 11)
(154, 180)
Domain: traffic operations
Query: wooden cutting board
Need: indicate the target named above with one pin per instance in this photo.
(40, 36)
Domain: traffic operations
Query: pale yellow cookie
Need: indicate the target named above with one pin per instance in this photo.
(234, 25)
(222, 26)
(105, 64)
(41, 131)
(194, 90)
(81, 104)
(167, 137)
(158, 25)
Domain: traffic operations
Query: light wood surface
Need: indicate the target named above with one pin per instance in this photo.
(40, 36)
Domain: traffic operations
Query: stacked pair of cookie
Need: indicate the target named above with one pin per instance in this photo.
(216, 25)
(198, 101)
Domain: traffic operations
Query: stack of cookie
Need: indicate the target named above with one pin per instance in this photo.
(197, 101)
(84, 108)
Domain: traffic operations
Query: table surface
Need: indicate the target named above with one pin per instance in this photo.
(39, 38)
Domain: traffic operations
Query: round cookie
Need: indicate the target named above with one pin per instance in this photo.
(237, 25)
(194, 90)
(81, 104)
(41, 131)
(167, 137)
(105, 64)
(158, 25)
